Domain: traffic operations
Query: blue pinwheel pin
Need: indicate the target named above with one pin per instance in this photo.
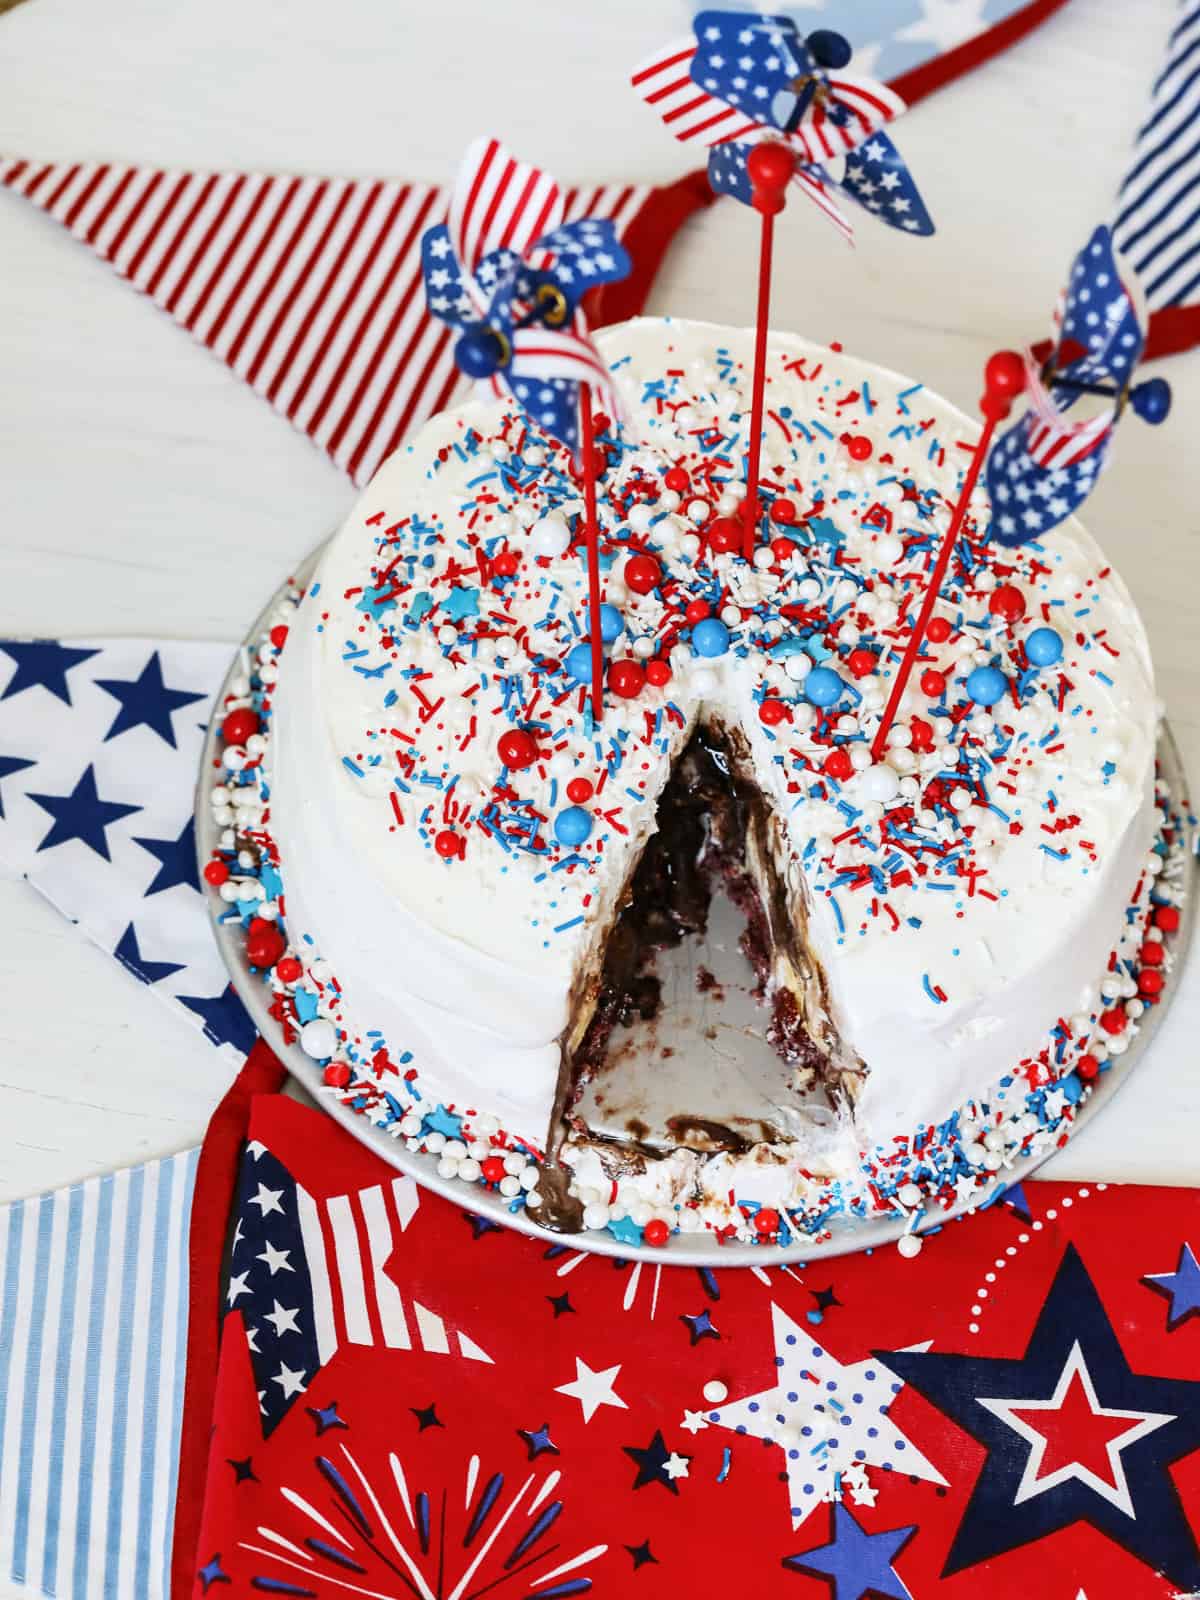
(509, 275)
(744, 78)
(1044, 466)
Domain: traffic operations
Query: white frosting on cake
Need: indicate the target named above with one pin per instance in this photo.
(939, 981)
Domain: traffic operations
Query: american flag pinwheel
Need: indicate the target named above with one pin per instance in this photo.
(744, 78)
(1044, 466)
(509, 274)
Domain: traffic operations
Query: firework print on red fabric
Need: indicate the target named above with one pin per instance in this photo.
(413, 1401)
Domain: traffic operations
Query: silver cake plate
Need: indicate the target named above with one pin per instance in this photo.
(845, 1235)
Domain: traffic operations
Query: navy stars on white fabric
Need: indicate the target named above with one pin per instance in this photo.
(99, 750)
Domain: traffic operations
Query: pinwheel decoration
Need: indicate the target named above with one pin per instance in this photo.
(1044, 467)
(508, 274)
(775, 110)
(745, 78)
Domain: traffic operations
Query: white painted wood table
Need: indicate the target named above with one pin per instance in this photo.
(143, 489)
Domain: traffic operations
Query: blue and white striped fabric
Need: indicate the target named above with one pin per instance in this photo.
(93, 1338)
(1158, 221)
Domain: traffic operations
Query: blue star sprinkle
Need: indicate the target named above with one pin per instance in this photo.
(81, 815)
(146, 702)
(9, 765)
(1182, 1287)
(625, 1231)
(176, 860)
(460, 603)
(131, 958)
(856, 1563)
(44, 662)
(480, 1225)
(439, 1120)
(225, 1018)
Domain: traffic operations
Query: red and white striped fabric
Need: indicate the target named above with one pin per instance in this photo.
(348, 1241)
(1053, 440)
(309, 288)
(665, 83)
(500, 203)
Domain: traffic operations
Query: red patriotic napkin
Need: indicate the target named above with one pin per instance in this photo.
(412, 1401)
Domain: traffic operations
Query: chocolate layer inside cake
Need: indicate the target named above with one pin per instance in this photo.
(715, 835)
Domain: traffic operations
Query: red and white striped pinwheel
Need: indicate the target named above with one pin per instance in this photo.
(509, 274)
(744, 78)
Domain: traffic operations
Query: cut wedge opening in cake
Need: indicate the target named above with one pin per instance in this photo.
(706, 1023)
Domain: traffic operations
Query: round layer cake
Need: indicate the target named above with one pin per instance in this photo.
(467, 860)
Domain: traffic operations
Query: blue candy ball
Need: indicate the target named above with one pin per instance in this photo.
(479, 352)
(1044, 647)
(710, 637)
(986, 685)
(823, 687)
(579, 663)
(572, 825)
(1152, 400)
(611, 623)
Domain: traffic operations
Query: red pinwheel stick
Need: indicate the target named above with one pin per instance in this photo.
(1003, 380)
(770, 166)
(587, 434)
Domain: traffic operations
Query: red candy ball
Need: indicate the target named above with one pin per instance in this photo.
(337, 1074)
(1008, 602)
(264, 949)
(1166, 918)
(1151, 954)
(493, 1168)
(627, 679)
(506, 563)
(695, 611)
(1150, 981)
(1088, 1068)
(239, 725)
(288, 970)
(725, 535)
(839, 765)
(677, 479)
(642, 573)
(783, 550)
(279, 635)
(447, 844)
(656, 1233)
(766, 1222)
(783, 510)
(1003, 379)
(772, 711)
(939, 630)
(579, 791)
(658, 672)
(922, 734)
(933, 684)
(861, 662)
(770, 166)
(1114, 1020)
(216, 873)
(518, 749)
(859, 447)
